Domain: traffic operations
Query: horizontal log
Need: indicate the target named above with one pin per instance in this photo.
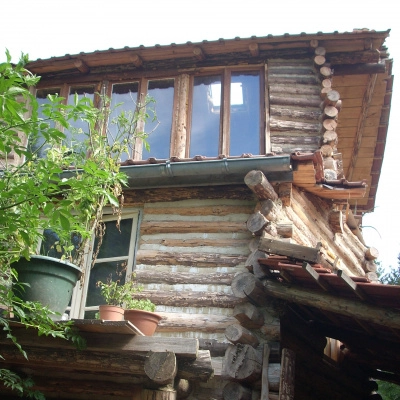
(179, 322)
(298, 101)
(248, 316)
(154, 276)
(256, 223)
(190, 299)
(292, 113)
(236, 333)
(269, 209)
(329, 124)
(247, 286)
(351, 308)
(304, 90)
(151, 257)
(371, 253)
(281, 125)
(358, 69)
(199, 370)
(260, 186)
(160, 367)
(153, 227)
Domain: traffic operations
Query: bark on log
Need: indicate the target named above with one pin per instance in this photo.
(285, 193)
(296, 101)
(161, 368)
(258, 184)
(268, 209)
(247, 286)
(256, 223)
(371, 253)
(248, 316)
(238, 334)
(235, 391)
(242, 363)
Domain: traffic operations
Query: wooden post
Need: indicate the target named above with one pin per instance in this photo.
(264, 375)
(286, 386)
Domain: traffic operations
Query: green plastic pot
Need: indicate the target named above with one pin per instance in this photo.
(51, 281)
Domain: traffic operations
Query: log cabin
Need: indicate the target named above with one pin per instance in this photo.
(242, 223)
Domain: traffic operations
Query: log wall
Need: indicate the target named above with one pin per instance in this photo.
(294, 95)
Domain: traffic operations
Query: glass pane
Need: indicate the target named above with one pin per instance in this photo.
(73, 138)
(204, 137)
(103, 271)
(245, 113)
(125, 93)
(162, 91)
(37, 143)
(115, 241)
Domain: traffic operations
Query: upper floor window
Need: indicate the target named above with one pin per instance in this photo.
(226, 117)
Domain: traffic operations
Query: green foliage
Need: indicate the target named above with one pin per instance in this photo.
(65, 190)
(388, 391)
(123, 294)
(392, 277)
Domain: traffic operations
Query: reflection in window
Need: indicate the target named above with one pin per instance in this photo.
(37, 144)
(126, 95)
(76, 135)
(204, 138)
(111, 262)
(245, 113)
(162, 91)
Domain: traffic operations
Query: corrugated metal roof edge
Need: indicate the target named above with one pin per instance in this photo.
(269, 38)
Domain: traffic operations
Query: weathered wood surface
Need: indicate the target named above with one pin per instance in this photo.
(259, 185)
(248, 316)
(264, 374)
(236, 391)
(246, 286)
(160, 367)
(286, 385)
(151, 394)
(236, 333)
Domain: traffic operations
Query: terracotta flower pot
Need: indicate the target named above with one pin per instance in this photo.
(111, 313)
(145, 321)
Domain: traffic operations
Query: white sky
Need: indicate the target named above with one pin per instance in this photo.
(46, 28)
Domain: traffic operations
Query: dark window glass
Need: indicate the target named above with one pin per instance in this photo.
(245, 113)
(204, 137)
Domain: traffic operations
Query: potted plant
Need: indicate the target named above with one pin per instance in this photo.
(51, 184)
(140, 312)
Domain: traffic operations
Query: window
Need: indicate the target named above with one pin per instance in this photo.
(37, 145)
(115, 259)
(226, 111)
(162, 91)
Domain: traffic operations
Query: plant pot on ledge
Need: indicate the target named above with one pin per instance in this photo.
(51, 281)
(109, 312)
(145, 321)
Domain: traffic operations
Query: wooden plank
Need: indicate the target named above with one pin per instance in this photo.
(351, 284)
(264, 375)
(101, 326)
(289, 249)
(286, 386)
(316, 277)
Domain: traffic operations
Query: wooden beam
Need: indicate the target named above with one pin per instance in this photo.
(310, 254)
(136, 60)
(286, 386)
(264, 374)
(199, 53)
(81, 66)
(352, 308)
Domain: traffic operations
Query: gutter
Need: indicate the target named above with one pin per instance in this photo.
(224, 171)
